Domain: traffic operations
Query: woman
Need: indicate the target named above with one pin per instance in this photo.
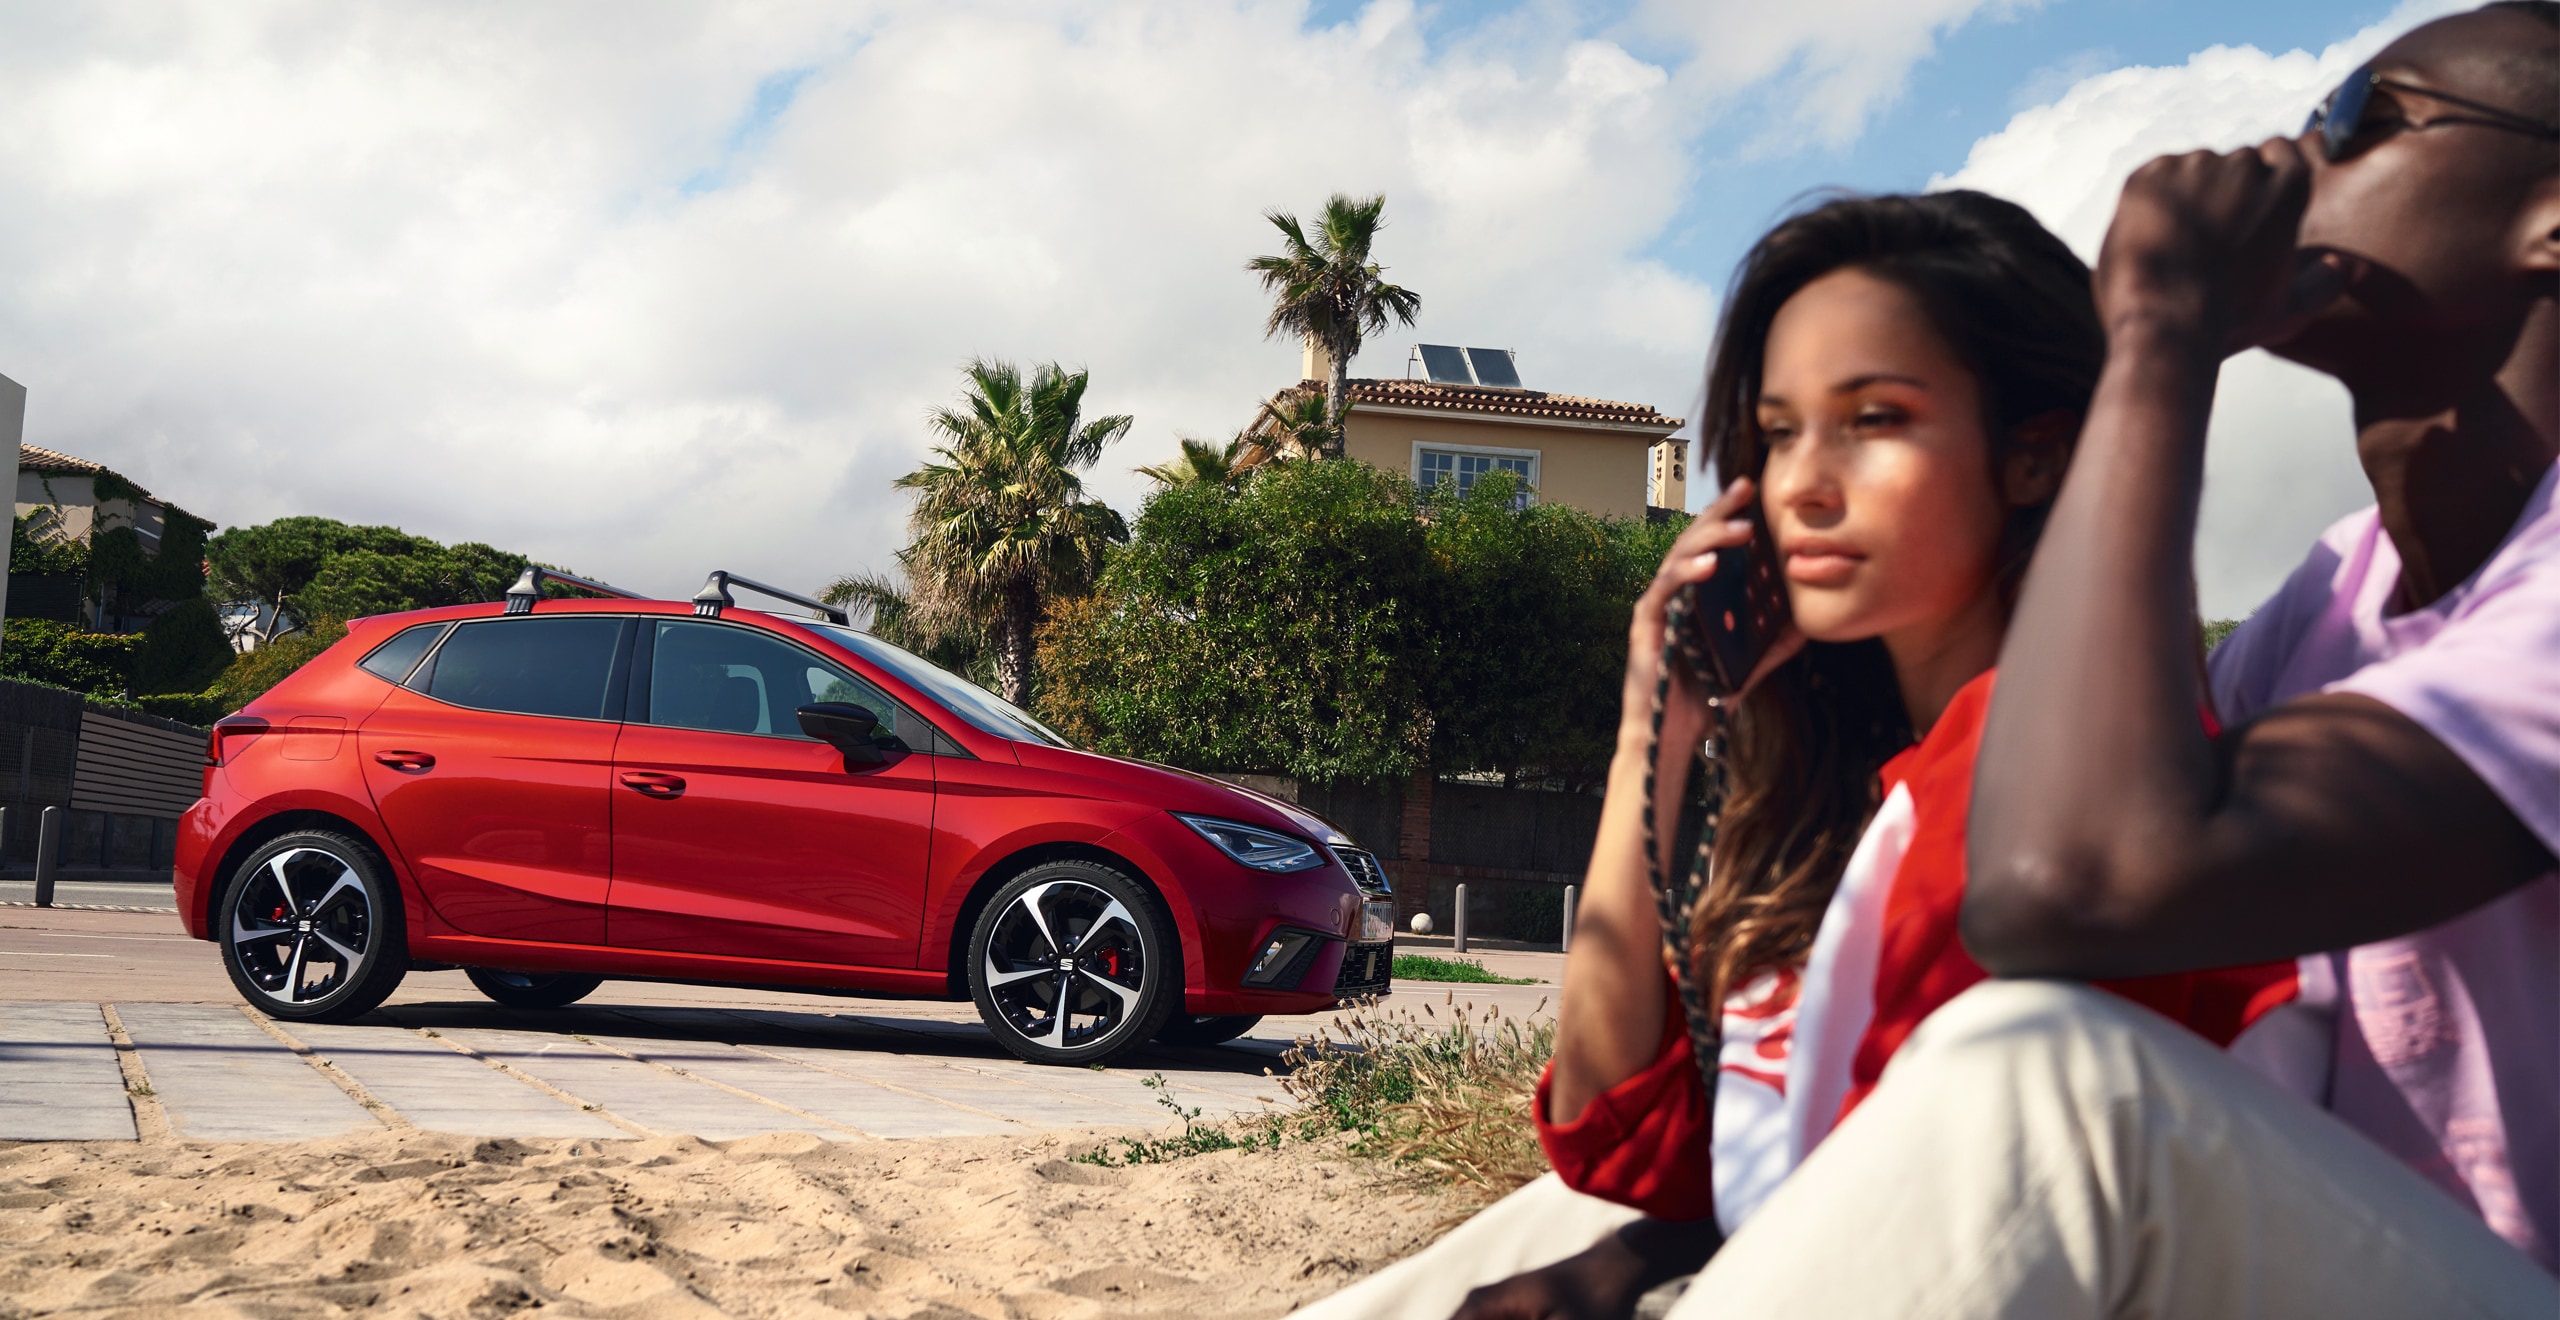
(1897, 385)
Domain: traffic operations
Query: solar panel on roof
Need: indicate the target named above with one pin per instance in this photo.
(1493, 367)
(1446, 365)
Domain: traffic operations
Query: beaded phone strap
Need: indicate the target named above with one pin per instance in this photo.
(1677, 903)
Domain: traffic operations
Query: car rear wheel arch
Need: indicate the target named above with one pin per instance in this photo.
(956, 968)
(274, 827)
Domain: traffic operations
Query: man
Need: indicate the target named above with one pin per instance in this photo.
(2389, 786)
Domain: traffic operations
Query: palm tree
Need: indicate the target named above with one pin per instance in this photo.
(1207, 463)
(1294, 425)
(1001, 522)
(1326, 289)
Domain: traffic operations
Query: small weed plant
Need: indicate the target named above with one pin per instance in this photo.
(1424, 967)
(1444, 1095)
(1196, 1137)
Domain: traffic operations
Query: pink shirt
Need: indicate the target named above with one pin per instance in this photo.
(2447, 1042)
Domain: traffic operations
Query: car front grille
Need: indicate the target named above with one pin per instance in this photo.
(1367, 970)
(1365, 871)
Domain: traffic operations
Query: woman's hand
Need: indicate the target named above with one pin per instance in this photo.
(1686, 716)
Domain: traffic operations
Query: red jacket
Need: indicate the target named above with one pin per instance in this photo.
(1646, 1141)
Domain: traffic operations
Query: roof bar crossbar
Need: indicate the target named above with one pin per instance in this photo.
(714, 597)
(528, 589)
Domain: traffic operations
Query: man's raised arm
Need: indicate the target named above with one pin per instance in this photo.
(2110, 836)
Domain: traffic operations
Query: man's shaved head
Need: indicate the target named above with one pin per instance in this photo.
(2528, 71)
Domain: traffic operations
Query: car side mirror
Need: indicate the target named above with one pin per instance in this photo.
(846, 727)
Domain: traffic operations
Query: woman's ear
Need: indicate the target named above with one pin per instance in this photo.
(2039, 449)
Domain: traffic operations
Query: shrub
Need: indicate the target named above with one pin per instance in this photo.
(1329, 622)
(47, 651)
(267, 666)
(1285, 628)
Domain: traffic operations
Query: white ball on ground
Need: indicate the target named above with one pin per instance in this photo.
(1421, 923)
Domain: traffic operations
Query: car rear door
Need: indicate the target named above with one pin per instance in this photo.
(491, 768)
(736, 834)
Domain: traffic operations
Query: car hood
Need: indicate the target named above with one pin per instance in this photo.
(1182, 790)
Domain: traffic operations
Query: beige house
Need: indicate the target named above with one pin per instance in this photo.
(1461, 413)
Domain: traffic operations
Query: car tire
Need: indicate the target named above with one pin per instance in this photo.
(1215, 1029)
(533, 989)
(308, 900)
(1082, 935)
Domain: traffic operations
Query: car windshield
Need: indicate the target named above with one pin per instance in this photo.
(989, 712)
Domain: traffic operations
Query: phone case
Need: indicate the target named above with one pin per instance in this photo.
(1723, 625)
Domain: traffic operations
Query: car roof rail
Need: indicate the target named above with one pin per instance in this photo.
(714, 597)
(528, 589)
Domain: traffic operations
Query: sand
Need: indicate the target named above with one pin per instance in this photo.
(424, 1224)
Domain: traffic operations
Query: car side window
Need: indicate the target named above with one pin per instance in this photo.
(562, 666)
(395, 658)
(735, 680)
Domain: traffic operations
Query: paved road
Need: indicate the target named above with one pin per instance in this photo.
(114, 1025)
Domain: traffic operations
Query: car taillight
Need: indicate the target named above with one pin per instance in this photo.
(229, 736)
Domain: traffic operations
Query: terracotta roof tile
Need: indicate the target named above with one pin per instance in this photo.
(34, 458)
(1439, 397)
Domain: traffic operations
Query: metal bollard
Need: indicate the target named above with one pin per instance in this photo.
(48, 853)
(1458, 928)
(1564, 943)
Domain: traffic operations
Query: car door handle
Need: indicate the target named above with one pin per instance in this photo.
(407, 760)
(651, 784)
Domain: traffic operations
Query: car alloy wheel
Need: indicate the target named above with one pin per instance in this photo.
(1071, 964)
(311, 930)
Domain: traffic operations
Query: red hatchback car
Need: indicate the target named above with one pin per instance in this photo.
(558, 791)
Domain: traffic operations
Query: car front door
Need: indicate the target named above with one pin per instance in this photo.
(491, 769)
(736, 834)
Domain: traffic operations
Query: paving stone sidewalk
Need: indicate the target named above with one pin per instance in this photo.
(217, 1072)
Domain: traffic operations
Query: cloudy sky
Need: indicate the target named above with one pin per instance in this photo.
(646, 289)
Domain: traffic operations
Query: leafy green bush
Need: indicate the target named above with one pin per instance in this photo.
(267, 666)
(1329, 622)
(183, 651)
(1286, 627)
(198, 708)
(62, 654)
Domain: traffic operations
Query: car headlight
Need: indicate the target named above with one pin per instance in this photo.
(1261, 849)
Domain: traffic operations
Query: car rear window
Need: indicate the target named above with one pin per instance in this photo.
(395, 658)
(561, 666)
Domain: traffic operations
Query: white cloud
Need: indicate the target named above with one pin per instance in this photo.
(2280, 459)
(1818, 65)
(645, 289)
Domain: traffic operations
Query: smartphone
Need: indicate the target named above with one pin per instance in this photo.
(1722, 626)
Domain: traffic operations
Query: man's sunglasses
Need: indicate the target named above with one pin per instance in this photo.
(2339, 118)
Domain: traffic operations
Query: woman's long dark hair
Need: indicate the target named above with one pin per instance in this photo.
(1804, 748)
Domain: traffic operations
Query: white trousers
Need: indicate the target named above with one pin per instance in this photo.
(2042, 1149)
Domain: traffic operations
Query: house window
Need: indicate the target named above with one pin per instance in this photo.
(1433, 466)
